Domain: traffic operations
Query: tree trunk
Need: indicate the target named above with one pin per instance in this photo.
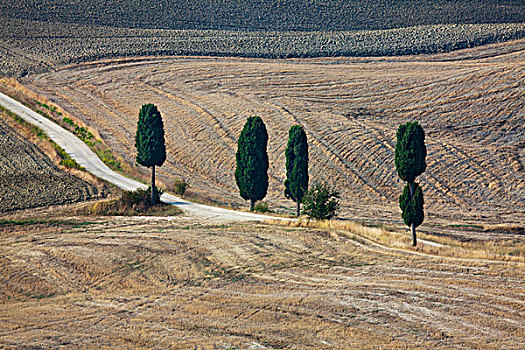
(298, 208)
(252, 203)
(153, 201)
(413, 227)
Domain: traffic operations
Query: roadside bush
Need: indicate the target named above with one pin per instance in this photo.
(66, 161)
(262, 207)
(131, 203)
(68, 121)
(321, 202)
(180, 186)
(140, 199)
(71, 164)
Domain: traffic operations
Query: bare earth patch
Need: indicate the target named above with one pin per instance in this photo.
(174, 282)
(29, 178)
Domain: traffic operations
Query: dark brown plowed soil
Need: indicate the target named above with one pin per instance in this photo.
(29, 179)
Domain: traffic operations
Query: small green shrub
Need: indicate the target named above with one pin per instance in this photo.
(107, 157)
(66, 161)
(139, 199)
(321, 202)
(38, 132)
(262, 207)
(68, 121)
(180, 186)
(42, 105)
(71, 164)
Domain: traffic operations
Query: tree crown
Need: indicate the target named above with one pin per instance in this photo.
(251, 174)
(410, 151)
(149, 139)
(296, 184)
(413, 212)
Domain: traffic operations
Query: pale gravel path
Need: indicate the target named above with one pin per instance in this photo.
(83, 155)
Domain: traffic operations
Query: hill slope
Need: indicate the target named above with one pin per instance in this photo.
(472, 109)
(267, 15)
(29, 179)
(39, 36)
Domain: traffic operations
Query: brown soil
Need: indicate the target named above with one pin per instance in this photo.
(36, 46)
(29, 178)
(175, 283)
(470, 102)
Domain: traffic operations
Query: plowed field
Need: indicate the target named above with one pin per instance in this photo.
(176, 283)
(471, 104)
(29, 179)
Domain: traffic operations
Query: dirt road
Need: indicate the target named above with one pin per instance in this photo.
(79, 151)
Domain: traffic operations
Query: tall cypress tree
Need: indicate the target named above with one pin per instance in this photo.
(149, 141)
(410, 162)
(296, 183)
(251, 174)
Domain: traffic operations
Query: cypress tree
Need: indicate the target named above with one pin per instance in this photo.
(412, 207)
(251, 173)
(296, 183)
(410, 162)
(410, 151)
(149, 141)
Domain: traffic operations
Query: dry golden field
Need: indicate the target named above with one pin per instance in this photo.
(186, 284)
(470, 102)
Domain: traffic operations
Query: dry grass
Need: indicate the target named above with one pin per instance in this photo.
(469, 102)
(175, 283)
(510, 249)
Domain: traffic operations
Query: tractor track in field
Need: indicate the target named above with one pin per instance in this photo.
(238, 283)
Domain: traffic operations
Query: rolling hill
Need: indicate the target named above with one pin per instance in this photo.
(469, 102)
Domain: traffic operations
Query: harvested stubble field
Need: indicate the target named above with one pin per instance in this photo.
(29, 178)
(471, 104)
(177, 283)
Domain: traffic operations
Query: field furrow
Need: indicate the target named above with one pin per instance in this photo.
(472, 110)
(180, 282)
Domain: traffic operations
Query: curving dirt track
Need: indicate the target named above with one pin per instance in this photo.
(176, 283)
(29, 179)
(470, 102)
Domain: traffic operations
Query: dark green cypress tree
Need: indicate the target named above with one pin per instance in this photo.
(412, 207)
(251, 174)
(410, 151)
(149, 141)
(296, 184)
(410, 162)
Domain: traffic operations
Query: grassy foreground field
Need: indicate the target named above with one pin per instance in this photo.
(470, 102)
(180, 283)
